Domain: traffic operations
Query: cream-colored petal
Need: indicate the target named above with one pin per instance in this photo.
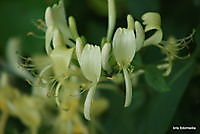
(154, 39)
(140, 36)
(105, 55)
(55, 17)
(88, 101)
(79, 47)
(124, 46)
(152, 21)
(61, 58)
(73, 28)
(91, 62)
(48, 39)
(49, 17)
(130, 22)
(128, 88)
(14, 62)
(57, 39)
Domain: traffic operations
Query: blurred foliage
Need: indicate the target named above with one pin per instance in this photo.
(151, 112)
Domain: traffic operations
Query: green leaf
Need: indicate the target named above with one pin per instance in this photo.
(155, 79)
(161, 108)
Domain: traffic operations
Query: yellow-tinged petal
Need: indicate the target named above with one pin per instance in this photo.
(155, 38)
(61, 58)
(56, 21)
(130, 22)
(57, 39)
(152, 21)
(73, 28)
(79, 47)
(14, 61)
(140, 36)
(48, 38)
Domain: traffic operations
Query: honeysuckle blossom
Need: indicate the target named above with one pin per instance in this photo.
(139, 31)
(152, 21)
(56, 24)
(124, 47)
(90, 63)
(80, 63)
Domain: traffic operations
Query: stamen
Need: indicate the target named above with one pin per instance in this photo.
(35, 35)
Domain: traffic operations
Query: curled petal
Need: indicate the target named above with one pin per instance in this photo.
(128, 88)
(155, 38)
(152, 21)
(55, 20)
(140, 36)
(88, 101)
(14, 61)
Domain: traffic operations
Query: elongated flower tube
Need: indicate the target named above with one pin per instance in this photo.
(56, 21)
(124, 47)
(152, 21)
(90, 63)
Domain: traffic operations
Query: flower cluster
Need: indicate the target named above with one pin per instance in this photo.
(72, 59)
(72, 66)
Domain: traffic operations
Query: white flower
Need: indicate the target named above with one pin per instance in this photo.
(139, 31)
(56, 23)
(152, 21)
(90, 62)
(124, 47)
